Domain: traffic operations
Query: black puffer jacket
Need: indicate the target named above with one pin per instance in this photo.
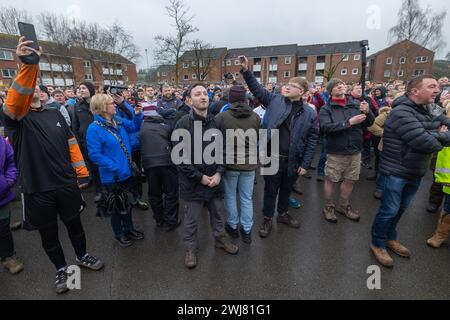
(344, 139)
(411, 136)
(83, 117)
(190, 175)
(156, 145)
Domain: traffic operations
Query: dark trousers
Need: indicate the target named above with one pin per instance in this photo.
(436, 193)
(163, 194)
(376, 143)
(279, 185)
(6, 239)
(194, 210)
(136, 183)
(52, 246)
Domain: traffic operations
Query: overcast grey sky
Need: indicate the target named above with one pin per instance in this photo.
(246, 23)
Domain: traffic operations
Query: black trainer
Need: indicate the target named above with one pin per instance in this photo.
(90, 262)
(246, 236)
(135, 235)
(124, 241)
(61, 281)
(234, 233)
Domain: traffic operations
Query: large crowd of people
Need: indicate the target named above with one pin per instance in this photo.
(57, 142)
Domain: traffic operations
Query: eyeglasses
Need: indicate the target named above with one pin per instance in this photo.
(290, 85)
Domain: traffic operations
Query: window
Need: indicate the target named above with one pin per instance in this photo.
(357, 57)
(421, 59)
(6, 55)
(194, 76)
(321, 59)
(389, 60)
(164, 74)
(9, 73)
(345, 57)
(186, 77)
(87, 63)
(194, 64)
(88, 77)
(185, 65)
(418, 72)
(228, 62)
(387, 74)
(355, 71)
(287, 60)
(344, 72)
(223, 63)
(202, 77)
(201, 64)
(237, 62)
(287, 74)
(400, 73)
(125, 68)
(402, 60)
(237, 75)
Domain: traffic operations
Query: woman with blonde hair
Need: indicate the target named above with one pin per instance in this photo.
(109, 148)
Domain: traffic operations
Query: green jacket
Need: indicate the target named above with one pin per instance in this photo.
(240, 116)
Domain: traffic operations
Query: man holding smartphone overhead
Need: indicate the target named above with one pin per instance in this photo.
(50, 184)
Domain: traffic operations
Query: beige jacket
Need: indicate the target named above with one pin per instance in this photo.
(377, 128)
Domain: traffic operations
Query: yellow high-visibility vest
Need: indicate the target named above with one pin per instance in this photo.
(442, 173)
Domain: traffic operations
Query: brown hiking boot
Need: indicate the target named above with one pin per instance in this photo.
(441, 235)
(288, 220)
(382, 257)
(190, 260)
(266, 228)
(398, 249)
(349, 213)
(13, 265)
(330, 214)
(224, 243)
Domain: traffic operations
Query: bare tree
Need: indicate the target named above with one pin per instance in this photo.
(202, 58)
(331, 69)
(10, 16)
(419, 25)
(170, 48)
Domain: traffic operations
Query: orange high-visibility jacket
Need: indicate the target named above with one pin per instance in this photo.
(17, 106)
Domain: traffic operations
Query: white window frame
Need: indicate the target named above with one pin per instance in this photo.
(164, 74)
(185, 77)
(288, 74)
(237, 75)
(345, 57)
(5, 57)
(193, 63)
(389, 60)
(400, 73)
(9, 76)
(237, 62)
(286, 59)
(185, 65)
(88, 77)
(422, 59)
(387, 73)
(418, 72)
(344, 71)
(355, 71)
(194, 76)
(228, 63)
(87, 64)
(402, 60)
(356, 57)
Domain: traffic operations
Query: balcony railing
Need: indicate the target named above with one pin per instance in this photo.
(47, 81)
(59, 82)
(272, 79)
(273, 67)
(44, 66)
(320, 66)
(257, 68)
(56, 67)
(69, 82)
(303, 67)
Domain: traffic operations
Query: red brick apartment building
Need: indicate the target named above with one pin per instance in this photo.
(62, 67)
(316, 63)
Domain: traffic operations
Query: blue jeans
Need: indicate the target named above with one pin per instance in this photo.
(323, 157)
(380, 183)
(121, 224)
(243, 181)
(398, 193)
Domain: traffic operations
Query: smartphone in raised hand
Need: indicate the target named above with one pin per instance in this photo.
(28, 31)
